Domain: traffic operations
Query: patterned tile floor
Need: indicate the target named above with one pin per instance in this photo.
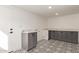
(53, 46)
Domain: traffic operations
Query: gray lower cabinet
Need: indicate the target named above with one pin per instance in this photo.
(34, 37)
(67, 36)
(51, 35)
(61, 35)
(29, 40)
(74, 37)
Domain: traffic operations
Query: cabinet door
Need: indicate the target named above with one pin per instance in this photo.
(67, 36)
(74, 37)
(57, 37)
(30, 41)
(49, 35)
(62, 35)
(52, 34)
(34, 39)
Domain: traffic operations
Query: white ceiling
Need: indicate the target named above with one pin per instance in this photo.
(44, 11)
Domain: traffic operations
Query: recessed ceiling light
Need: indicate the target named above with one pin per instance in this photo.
(50, 7)
(57, 13)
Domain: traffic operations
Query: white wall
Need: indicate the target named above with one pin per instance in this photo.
(18, 19)
(70, 22)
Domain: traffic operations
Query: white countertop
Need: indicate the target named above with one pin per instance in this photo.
(29, 31)
(62, 29)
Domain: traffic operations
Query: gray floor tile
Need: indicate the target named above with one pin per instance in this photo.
(53, 46)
